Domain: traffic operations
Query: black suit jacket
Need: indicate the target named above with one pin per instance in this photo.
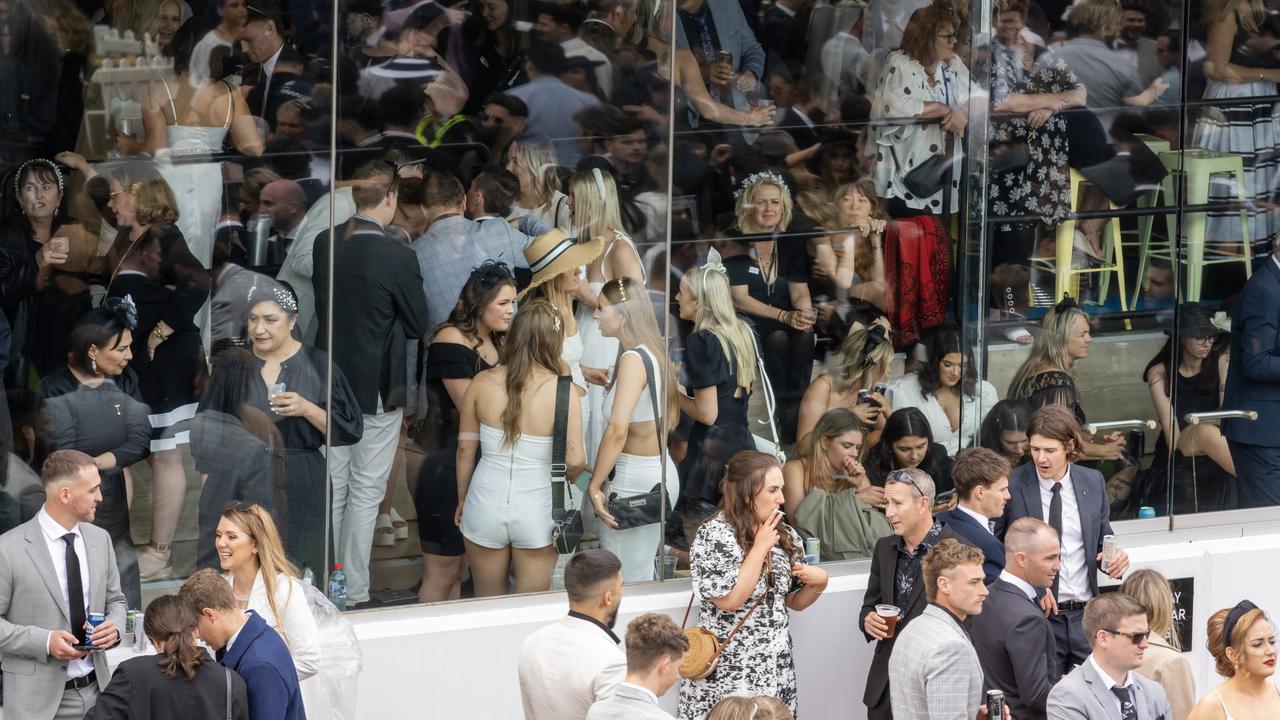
(139, 690)
(1253, 368)
(884, 563)
(1016, 648)
(978, 536)
(1091, 495)
(378, 306)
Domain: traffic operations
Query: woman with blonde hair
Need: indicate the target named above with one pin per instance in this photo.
(508, 415)
(639, 407)
(531, 157)
(760, 707)
(254, 563)
(853, 257)
(1046, 376)
(152, 250)
(1242, 641)
(828, 493)
(593, 195)
(1163, 660)
(856, 382)
(720, 359)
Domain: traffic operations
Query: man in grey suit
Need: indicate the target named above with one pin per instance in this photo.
(655, 646)
(1012, 636)
(935, 671)
(1106, 686)
(55, 570)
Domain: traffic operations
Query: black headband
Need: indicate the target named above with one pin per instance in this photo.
(875, 337)
(1233, 617)
(1066, 303)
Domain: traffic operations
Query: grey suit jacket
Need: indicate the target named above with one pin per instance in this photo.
(32, 605)
(1016, 646)
(935, 671)
(1082, 695)
(736, 36)
(627, 702)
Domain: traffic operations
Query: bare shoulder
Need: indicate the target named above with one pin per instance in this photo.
(450, 334)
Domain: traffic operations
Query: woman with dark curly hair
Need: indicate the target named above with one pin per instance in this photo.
(947, 390)
(747, 566)
(466, 344)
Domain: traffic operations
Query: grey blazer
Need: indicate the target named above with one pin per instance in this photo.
(32, 605)
(627, 703)
(935, 670)
(1082, 695)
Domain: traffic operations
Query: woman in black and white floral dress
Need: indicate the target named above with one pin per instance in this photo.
(747, 563)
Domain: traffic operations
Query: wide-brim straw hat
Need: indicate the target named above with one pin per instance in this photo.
(552, 253)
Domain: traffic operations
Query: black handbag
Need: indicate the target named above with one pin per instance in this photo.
(929, 177)
(566, 522)
(653, 506)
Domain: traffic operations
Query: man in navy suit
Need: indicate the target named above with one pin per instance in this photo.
(245, 643)
(1253, 383)
(1072, 499)
(1012, 636)
(981, 478)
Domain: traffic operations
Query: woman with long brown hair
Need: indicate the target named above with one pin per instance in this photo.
(508, 415)
(467, 343)
(178, 681)
(747, 565)
(630, 450)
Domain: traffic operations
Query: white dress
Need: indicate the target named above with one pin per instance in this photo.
(509, 499)
(906, 392)
(197, 186)
(636, 475)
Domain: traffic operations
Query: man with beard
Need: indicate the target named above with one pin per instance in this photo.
(566, 667)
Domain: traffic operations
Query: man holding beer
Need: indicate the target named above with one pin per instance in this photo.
(895, 590)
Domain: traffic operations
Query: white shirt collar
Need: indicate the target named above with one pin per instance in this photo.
(1019, 583)
(1107, 679)
(52, 528)
(785, 9)
(1047, 485)
(983, 520)
(270, 65)
(232, 641)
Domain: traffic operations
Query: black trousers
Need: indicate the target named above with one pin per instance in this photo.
(1068, 633)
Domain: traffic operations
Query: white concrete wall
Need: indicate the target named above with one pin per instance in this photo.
(459, 660)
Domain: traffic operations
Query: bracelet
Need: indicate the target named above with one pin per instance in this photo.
(161, 336)
(780, 314)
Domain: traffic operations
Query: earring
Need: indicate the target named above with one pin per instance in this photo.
(93, 363)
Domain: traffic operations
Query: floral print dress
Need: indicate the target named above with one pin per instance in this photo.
(758, 660)
(1042, 187)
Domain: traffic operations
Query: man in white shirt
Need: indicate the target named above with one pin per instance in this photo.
(655, 646)
(47, 674)
(566, 667)
(1012, 636)
(1106, 686)
(1073, 500)
(981, 478)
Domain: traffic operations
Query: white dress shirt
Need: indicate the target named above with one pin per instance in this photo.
(1111, 683)
(981, 519)
(1073, 579)
(1019, 583)
(53, 533)
(232, 640)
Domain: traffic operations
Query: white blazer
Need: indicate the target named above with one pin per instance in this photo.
(566, 667)
(298, 628)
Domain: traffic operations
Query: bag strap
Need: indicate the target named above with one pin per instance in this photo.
(559, 438)
(228, 676)
(738, 626)
(643, 352)
(770, 402)
(947, 175)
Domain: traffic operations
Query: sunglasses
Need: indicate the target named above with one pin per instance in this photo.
(1137, 638)
(904, 477)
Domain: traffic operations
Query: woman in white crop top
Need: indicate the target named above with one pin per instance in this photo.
(631, 449)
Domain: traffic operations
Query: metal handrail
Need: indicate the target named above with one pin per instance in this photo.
(1197, 418)
(1097, 428)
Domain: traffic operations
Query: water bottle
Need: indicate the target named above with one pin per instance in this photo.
(338, 587)
(308, 575)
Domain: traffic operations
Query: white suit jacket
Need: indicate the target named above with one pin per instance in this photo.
(566, 667)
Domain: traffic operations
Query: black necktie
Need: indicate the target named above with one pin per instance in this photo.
(1055, 521)
(1127, 710)
(75, 590)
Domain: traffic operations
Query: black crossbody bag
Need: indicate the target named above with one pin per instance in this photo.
(651, 507)
(566, 522)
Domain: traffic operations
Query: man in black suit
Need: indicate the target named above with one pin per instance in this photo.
(1253, 383)
(378, 306)
(263, 44)
(896, 577)
(1012, 636)
(982, 483)
(1073, 500)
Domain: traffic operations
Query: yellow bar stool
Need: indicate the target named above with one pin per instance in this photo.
(1067, 277)
(1197, 168)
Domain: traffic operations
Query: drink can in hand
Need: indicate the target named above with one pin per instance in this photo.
(93, 621)
(995, 704)
(1109, 550)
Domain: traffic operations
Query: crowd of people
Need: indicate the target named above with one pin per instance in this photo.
(266, 269)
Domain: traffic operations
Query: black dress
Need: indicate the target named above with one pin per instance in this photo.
(436, 496)
(1199, 484)
(305, 374)
(108, 418)
(711, 446)
(1052, 387)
